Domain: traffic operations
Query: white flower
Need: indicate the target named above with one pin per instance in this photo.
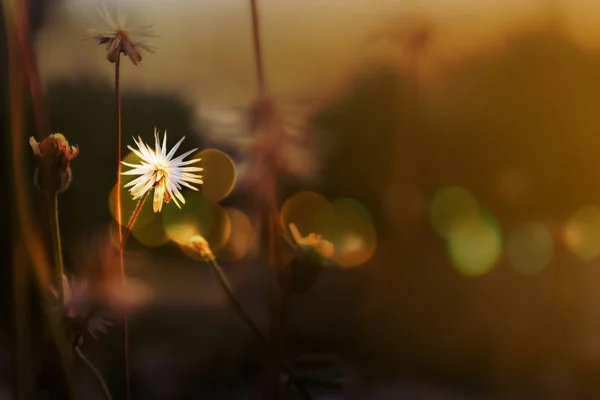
(120, 35)
(162, 172)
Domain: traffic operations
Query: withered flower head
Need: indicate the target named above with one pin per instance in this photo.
(120, 39)
(79, 308)
(53, 174)
(200, 245)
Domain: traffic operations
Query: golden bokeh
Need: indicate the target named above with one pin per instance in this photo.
(348, 226)
(530, 247)
(216, 235)
(305, 209)
(353, 204)
(450, 207)
(242, 236)
(582, 233)
(194, 218)
(152, 234)
(219, 174)
(220, 229)
(475, 244)
(127, 202)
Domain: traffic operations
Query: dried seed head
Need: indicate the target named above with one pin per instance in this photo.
(119, 38)
(54, 154)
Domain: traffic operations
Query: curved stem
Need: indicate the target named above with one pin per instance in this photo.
(220, 274)
(95, 373)
(56, 246)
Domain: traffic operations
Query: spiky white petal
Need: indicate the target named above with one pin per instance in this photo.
(158, 170)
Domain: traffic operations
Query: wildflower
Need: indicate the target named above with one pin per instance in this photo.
(53, 174)
(161, 172)
(118, 39)
(199, 244)
(324, 248)
(79, 309)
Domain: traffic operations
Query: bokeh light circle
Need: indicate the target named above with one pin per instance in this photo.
(152, 234)
(355, 205)
(127, 202)
(530, 247)
(306, 210)
(450, 207)
(582, 233)
(475, 244)
(242, 236)
(348, 226)
(219, 174)
(194, 218)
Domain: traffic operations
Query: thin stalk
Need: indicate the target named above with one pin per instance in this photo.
(260, 72)
(119, 224)
(130, 224)
(95, 373)
(220, 274)
(274, 295)
(28, 231)
(21, 318)
(133, 218)
(59, 271)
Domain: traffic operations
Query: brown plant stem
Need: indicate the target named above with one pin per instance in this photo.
(95, 373)
(56, 246)
(120, 223)
(29, 231)
(237, 305)
(132, 219)
(275, 329)
(130, 224)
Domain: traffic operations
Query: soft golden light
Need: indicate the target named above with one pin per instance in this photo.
(195, 217)
(530, 247)
(242, 236)
(152, 234)
(582, 233)
(305, 209)
(219, 174)
(475, 244)
(127, 203)
(450, 207)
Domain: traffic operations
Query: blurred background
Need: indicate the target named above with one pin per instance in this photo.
(448, 148)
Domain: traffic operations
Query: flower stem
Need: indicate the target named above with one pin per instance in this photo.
(95, 373)
(220, 274)
(120, 222)
(133, 218)
(56, 246)
(260, 74)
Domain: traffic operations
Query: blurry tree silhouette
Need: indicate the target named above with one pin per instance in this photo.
(530, 108)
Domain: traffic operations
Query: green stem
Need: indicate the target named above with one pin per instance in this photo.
(56, 246)
(220, 274)
(96, 374)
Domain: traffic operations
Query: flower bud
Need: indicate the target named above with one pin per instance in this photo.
(199, 244)
(53, 174)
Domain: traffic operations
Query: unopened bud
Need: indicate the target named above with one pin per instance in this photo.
(54, 154)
